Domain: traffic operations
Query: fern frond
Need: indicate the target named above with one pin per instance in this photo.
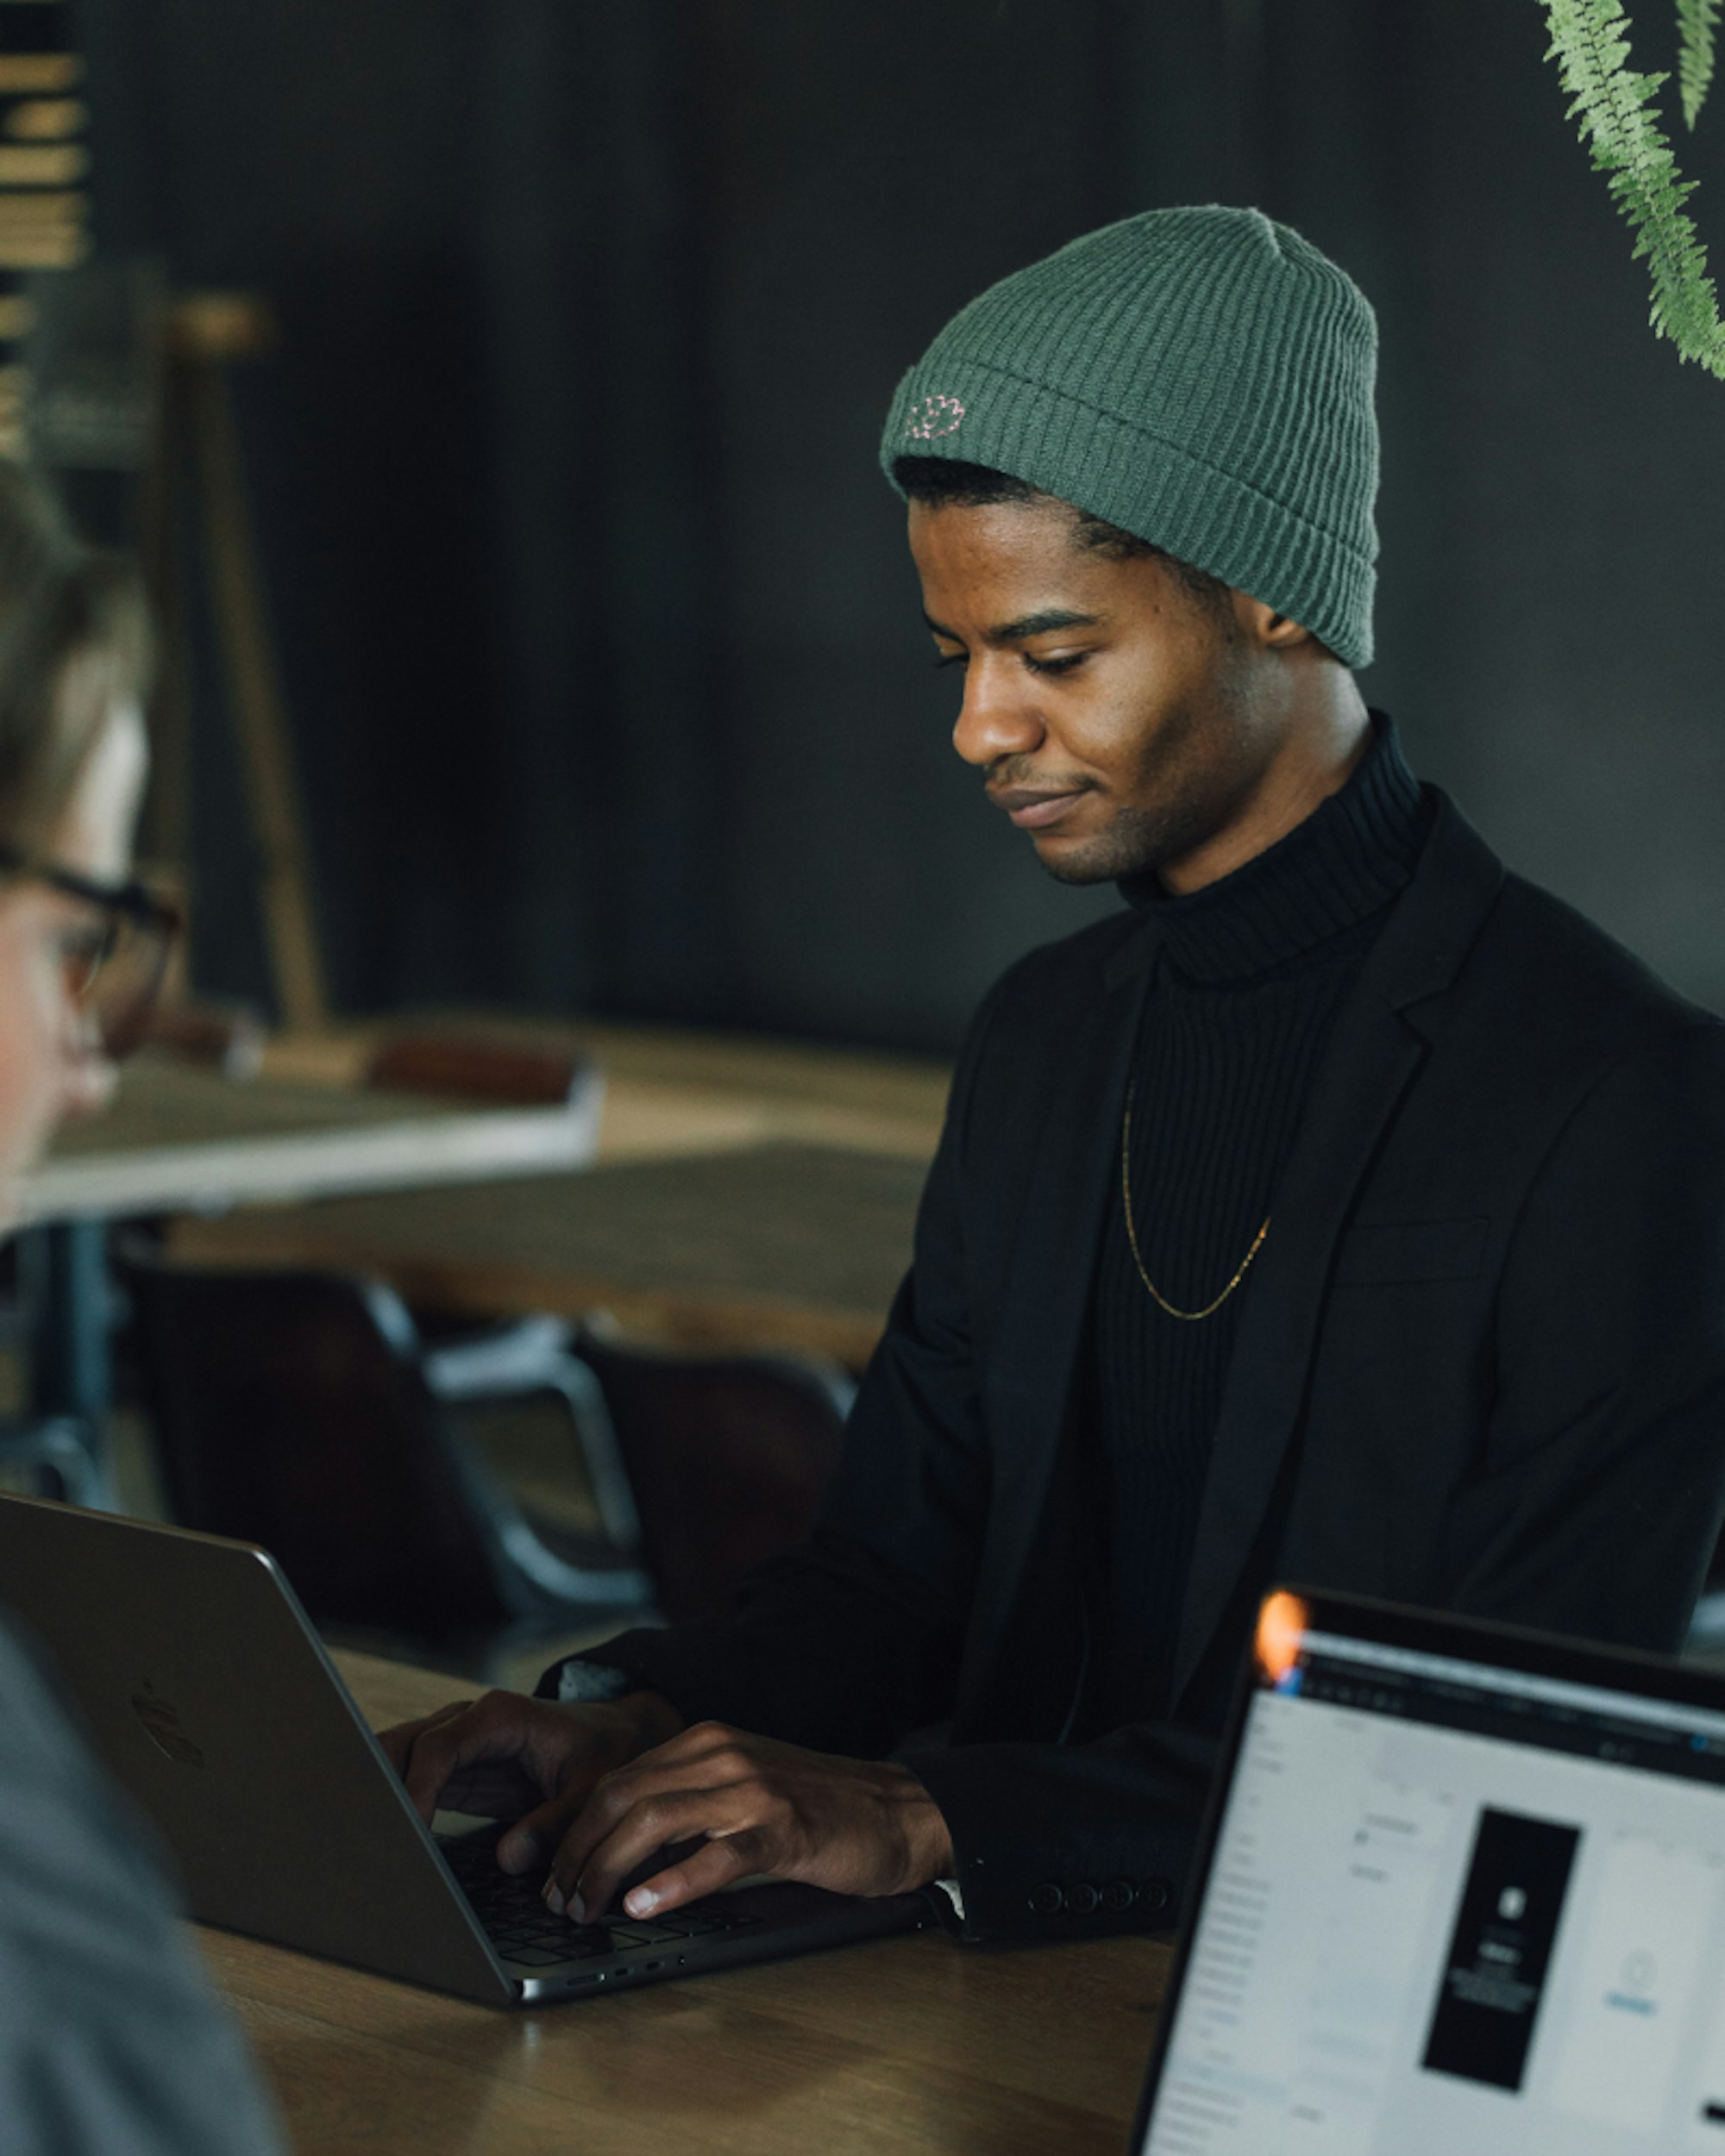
(1696, 21)
(1619, 122)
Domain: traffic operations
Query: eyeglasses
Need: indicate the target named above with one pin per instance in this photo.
(115, 967)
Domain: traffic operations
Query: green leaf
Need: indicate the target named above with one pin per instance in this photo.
(1696, 21)
(1617, 109)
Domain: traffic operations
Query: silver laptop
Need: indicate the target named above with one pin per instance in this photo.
(1462, 1891)
(211, 1697)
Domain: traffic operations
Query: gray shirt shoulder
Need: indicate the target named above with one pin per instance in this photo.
(111, 2042)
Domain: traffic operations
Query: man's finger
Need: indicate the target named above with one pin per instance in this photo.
(714, 1865)
(491, 1789)
(611, 1801)
(399, 1742)
(705, 1758)
(484, 1731)
(531, 1843)
(589, 1867)
(624, 1803)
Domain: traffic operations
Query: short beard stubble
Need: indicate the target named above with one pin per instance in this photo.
(1209, 763)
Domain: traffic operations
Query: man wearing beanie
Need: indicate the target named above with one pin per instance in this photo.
(1343, 1210)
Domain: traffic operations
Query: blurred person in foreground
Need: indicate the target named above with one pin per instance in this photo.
(111, 2043)
(1343, 1210)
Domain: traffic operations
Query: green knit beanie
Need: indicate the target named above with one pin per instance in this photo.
(1201, 378)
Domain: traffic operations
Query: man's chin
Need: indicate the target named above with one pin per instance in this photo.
(1104, 859)
(1131, 842)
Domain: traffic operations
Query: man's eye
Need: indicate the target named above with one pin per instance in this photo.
(952, 658)
(1064, 664)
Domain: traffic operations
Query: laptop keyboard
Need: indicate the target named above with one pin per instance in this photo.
(524, 1930)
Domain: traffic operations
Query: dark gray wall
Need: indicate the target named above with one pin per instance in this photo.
(596, 619)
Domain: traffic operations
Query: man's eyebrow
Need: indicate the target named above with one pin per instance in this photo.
(1011, 632)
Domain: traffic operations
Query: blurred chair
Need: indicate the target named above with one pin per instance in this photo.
(56, 1454)
(55, 1439)
(726, 1457)
(1706, 1639)
(300, 1410)
(446, 1063)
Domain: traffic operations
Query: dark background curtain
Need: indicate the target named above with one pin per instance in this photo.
(596, 625)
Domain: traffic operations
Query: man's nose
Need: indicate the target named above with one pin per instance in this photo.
(996, 719)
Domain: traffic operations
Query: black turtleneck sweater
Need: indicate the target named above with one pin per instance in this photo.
(1249, 977)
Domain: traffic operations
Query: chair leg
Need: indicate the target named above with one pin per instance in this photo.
(60, 1446)
(69, 1298)
(512, 1359)
(1707, 1625)
(534, 1358)
(600, 1587)
(581, 1392)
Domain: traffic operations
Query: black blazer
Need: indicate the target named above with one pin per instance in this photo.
(1480, 1366)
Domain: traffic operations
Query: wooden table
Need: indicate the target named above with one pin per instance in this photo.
(671, 1089)
(747, 1193)
(762, 1246)
(911, 2046)
(177, 1139)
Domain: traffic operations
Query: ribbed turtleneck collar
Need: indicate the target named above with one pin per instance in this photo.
(1343, 864)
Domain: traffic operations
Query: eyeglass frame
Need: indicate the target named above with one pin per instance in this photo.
(130, 901)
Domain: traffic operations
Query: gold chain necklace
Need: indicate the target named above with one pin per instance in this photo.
(1160, 1300)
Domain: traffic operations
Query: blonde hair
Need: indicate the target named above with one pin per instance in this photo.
(74, 641)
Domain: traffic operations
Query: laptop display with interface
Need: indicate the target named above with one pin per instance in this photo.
(210, 1698)
(1463, 1887)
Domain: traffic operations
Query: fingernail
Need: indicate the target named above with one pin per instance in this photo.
(552, 1895)
(641, 1903)
(578, 1908)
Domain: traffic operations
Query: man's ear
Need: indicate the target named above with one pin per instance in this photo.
(1261, 622)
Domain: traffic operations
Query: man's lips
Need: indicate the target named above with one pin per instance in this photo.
(1031, 809)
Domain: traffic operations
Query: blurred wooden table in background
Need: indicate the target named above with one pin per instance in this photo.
(745, 1194)
(671, 1090)
(912, 2045)
(766, 1246)
(176, 1139)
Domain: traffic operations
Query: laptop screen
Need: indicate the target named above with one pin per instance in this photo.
(1453, 1905)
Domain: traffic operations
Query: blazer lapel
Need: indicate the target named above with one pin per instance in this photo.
(1371, 1058)
(1047, 1302)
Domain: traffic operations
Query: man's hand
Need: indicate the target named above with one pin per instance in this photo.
(496, 1754)
(857, 1825)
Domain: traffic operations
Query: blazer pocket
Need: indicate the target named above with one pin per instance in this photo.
(1385, 1250)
